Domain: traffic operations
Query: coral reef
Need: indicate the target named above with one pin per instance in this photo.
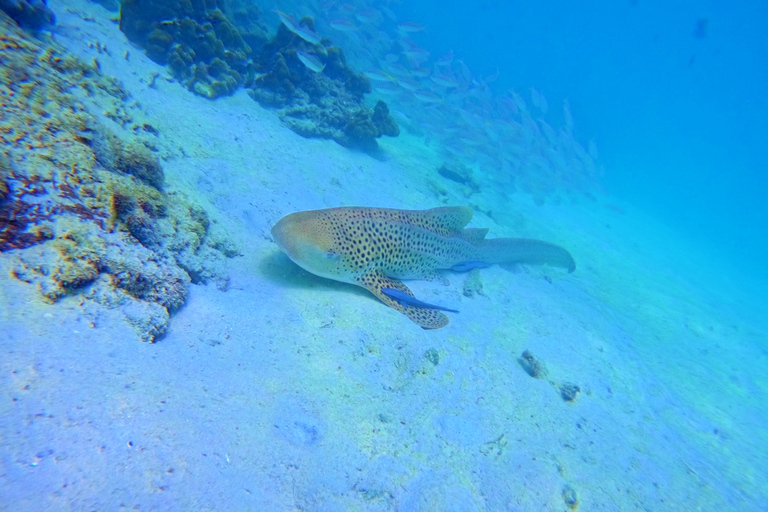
(209, 46)
(203, 43)
(246, 16)
(5, 172)
(29, 14)
(327, 104)
(82, 206)
(109, 272)
(132, 158)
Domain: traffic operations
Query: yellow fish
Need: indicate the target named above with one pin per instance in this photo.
(377, 247)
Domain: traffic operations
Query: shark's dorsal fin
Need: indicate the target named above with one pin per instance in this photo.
(447, 219)
(475, 234)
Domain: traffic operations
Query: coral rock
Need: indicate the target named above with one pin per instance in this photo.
(385, 123)
(85, 215)
(199, 42)
(327, 105)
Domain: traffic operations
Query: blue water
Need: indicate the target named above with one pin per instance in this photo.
(160, 351)
(679, 118)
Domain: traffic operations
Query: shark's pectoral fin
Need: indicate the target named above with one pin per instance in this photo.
(427, 318)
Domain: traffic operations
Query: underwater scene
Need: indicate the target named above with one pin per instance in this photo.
(383, 255)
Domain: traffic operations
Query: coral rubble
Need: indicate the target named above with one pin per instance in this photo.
(570, 497)
(568, 391)
(532, 365)
(83, 210)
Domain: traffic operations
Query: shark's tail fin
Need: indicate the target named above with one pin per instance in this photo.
(523, 250)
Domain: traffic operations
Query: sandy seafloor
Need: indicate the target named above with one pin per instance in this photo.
(291, 392)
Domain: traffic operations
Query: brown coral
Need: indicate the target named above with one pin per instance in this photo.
(199, 42)
(85, 215)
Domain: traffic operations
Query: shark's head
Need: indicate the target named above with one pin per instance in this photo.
(308, 239)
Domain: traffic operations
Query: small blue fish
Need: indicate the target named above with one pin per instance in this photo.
(311, 61)
(308, 34)
(444, 81)
(297, 28)
(466, 266)
(378, 75)
(406, 300)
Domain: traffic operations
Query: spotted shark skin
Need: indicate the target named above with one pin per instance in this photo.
(377, 248)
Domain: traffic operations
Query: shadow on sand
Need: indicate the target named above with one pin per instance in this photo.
(278, 268)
